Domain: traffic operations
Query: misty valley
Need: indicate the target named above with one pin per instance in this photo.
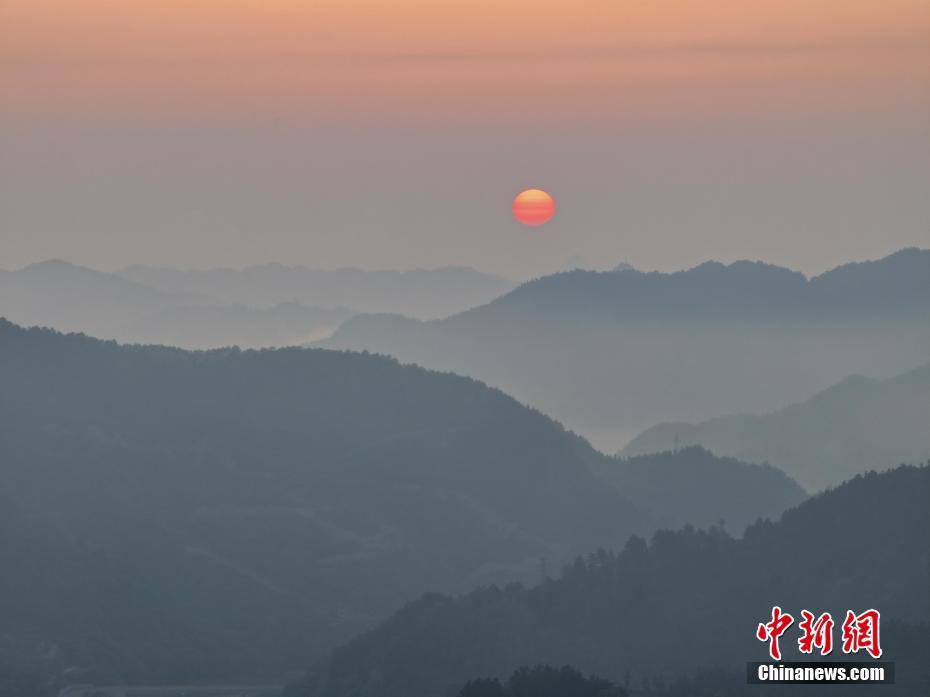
(372, 514)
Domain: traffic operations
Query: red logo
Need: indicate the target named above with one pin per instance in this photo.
(816, 633)
(771, 631)
(860, 632)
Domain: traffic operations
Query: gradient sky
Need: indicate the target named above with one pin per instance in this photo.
(394, 134)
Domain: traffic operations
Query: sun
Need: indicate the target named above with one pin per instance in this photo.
(534, 207)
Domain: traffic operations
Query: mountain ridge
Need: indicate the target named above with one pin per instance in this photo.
(612, 353)
(831, 435)
(292, 496)
(166, 306)
(417, 292)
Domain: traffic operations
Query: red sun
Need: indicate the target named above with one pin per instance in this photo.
(533, 207)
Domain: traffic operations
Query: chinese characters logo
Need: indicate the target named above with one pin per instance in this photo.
(859, 632)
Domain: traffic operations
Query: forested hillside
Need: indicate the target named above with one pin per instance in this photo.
(686, 601)
(178, 515)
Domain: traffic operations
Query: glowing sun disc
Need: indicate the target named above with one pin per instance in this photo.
(533, 207)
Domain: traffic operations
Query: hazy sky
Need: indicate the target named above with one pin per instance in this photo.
(394, 134)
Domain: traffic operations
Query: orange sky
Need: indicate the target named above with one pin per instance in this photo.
(388, 133)
(481, 59)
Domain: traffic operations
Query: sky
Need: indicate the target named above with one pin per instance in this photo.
(384, 134)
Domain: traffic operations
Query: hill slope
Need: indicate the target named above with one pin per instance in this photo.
(610, 354)
(174, 516)
(834, 435)
(689, 485)
(690, 599)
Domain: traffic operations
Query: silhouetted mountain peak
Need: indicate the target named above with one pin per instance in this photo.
(737, 283)
(55, 276)
(50, 264)
(897, 281)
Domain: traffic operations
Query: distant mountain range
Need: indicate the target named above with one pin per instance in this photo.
(690, 600)
(259, 306)
(184, 516)
(66, 297)
(613, 353)
(844, 430)
(421, 293)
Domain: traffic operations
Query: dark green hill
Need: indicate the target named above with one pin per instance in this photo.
(679, 486)
(690, 599)
(172, 516)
